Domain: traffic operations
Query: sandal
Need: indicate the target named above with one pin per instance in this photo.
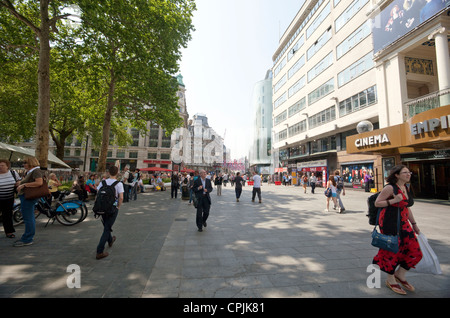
(405, 284)
(11, 235)
(396, 288)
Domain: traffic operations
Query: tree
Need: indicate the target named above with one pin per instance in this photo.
(133, 48)
(40, 21)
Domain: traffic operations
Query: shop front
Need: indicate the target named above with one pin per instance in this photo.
(318, 167)
(422, 144)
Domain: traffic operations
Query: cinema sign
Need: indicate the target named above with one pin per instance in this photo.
(429, 129)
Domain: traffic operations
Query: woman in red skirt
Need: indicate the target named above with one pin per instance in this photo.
(409, 253)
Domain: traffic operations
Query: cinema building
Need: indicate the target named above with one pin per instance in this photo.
(411, 56)
(342, 62)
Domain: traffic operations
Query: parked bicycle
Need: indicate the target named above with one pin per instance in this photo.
(66, 212)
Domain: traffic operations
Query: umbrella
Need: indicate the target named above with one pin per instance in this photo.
(187, 170)
(14, 153)
(154, 169)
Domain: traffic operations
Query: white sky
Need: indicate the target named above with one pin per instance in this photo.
(230, 51)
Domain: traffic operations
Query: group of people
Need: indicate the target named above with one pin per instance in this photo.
(394, 198)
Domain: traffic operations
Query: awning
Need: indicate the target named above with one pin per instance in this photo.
(155, 169)
(15, 153)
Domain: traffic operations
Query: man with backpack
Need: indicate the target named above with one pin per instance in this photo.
(127, 181)
(339, 189)
(107, 205)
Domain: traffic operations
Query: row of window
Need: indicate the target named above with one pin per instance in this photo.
(120, 154)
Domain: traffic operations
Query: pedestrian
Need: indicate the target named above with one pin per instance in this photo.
(218, 183)
(305, 182)
(109, 219)
(396, 265)
(340, 189)
(9, 180)
(135, 184)
(256, 187)
(238, 185)
(34, 178)
(312, 182)
(174, 183)
(367, 182)
(126, 180)
(202, 188)
(331, 183)
(191, 185)
(53, 184)
(91, 186)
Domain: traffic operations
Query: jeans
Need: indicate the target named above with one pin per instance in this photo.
(126, 192)
(313, 186)
(219, 189)
(108, 222)
(27, 209)
(338, 198)
(238, 192)
(6, 208)
(191, 193)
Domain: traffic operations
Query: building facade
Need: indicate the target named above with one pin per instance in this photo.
(411, 56)
(324, 84)
(260, 157)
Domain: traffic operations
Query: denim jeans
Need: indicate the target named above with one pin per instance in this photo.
(108, 222)
(27, 209)
(338, 198)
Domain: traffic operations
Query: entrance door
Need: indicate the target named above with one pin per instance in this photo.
(431, 179)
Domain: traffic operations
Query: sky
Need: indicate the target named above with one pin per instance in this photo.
(230, 51)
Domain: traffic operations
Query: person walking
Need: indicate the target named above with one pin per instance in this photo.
(109, 219)
(305, 182)
(312, 182)
(202, 188)
(174, 183)
(238, 185)
(126, 180)
(256, 186)
(331, 183)
(9, 180)
(396, 265)
(340, 189)
(218, 183)
(33, 178)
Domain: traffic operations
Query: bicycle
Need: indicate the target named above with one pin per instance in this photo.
(68, 212)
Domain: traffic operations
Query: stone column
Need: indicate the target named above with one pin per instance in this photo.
(443, 62)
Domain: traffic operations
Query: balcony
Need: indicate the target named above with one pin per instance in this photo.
(427, 102)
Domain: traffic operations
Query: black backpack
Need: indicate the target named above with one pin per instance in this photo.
(130, 177)
(372, 209)
(105, 200)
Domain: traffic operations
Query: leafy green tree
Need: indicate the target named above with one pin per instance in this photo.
(133, 48)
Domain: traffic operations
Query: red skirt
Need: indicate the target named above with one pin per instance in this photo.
(409, 253)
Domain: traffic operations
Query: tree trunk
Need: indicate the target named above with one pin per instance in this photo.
(43, 114)
(107, 125)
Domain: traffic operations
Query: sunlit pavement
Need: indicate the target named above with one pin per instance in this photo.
(287, 246)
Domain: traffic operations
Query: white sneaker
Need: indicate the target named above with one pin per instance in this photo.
(326, 210)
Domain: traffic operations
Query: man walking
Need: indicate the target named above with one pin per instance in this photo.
(238, 185)
(109, 219)
(256, 187)
(126, 183)
(202, 188)
(218, 183)
(339, 189)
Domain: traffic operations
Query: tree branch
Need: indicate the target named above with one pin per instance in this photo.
(10, 7)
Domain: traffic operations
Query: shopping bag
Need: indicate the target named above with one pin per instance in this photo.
(429, 264)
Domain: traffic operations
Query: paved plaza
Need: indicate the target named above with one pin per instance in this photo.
(287, 246)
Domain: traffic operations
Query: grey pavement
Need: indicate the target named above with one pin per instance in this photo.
(287, 246)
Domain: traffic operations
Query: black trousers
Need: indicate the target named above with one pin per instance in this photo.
(256, 191)
(6, 207)
(202, 211)
(108, 222)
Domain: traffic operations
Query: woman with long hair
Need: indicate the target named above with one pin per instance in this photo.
(396, 265)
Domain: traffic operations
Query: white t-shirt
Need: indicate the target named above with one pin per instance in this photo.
(256, 181)
(118, 187)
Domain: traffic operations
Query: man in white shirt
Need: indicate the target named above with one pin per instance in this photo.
(256, 187)
(108, 220)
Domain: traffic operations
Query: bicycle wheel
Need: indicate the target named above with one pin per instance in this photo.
(70, 213)
(17, 214)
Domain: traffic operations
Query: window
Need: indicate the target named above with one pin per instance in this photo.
(322, 118)
(297, 128)
(280, 84)
(319, 43)
(120, 154)
(298, 106)
(321, 91)
(133, 154)
(297, 86)
(361, 100)
(135, 136)
(280, 66)
(356, 69)
(353, 39)
(297, 66)
(279, 101)
(296, 47)
(153, 136)
(349, 13)
(326, 62)
(280, 118)
(151, 155)
(319, 19)
(165, 156)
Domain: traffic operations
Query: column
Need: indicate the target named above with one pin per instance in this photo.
(443, 62)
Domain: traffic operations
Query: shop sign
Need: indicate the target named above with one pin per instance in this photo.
(371, 140)
(430, 125)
